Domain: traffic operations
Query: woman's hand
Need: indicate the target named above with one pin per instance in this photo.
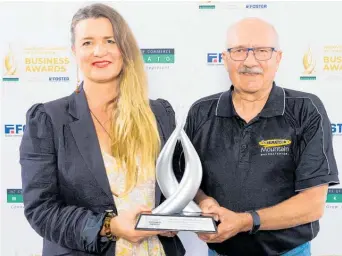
(123, 226)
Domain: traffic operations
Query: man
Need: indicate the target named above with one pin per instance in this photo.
(266, 153)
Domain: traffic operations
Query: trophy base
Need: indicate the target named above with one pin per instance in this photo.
(176, 222)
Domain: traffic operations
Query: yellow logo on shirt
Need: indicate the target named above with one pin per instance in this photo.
(274, 143)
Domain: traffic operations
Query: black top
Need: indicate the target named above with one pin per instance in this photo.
(285, 149)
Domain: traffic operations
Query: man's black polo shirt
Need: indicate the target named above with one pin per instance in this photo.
(285, 149)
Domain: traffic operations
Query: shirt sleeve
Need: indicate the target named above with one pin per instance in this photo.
(317, 164)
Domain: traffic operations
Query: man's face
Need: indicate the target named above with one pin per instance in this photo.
(255, 72)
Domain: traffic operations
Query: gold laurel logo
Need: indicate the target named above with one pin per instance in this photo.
(308, 62)
(10, 65)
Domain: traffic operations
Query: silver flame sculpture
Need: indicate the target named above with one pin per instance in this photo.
(179, 196)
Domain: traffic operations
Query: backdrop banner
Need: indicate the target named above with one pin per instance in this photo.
(181, 43)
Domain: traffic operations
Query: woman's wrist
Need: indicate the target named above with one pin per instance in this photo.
(107, 228)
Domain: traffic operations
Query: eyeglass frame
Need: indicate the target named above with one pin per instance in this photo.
(251, 49)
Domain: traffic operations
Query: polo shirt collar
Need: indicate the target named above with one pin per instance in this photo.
(274, 106)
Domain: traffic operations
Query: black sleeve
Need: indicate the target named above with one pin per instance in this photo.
(317, 164)
(169, 118)
(69, 226)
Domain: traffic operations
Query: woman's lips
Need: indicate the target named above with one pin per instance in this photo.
(101, 64)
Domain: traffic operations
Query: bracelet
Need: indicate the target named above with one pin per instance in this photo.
(108, 217)
(256, 222)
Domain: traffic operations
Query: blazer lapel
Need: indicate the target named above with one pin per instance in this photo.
(86, 139)
(87, 142)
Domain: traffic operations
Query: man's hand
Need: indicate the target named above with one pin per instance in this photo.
(207, 203)
(231, 223)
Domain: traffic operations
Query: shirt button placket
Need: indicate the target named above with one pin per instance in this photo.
(244, 155)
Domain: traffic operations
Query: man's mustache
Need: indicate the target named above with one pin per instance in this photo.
(253, 70)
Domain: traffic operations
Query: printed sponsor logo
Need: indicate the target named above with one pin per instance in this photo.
(336, 129)
(14, 195)
(214, 59)
(274, 147)
(158, 58)
(13, 130)
(59, 79)
(256, 6)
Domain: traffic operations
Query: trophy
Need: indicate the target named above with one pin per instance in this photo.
(178, 212)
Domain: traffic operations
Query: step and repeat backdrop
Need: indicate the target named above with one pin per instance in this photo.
(182, 44)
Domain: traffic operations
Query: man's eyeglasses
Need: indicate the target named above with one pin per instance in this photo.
(260, 53)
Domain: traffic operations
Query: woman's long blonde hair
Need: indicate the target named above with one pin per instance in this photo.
(134, 132)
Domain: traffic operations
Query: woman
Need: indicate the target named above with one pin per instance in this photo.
(88, 160)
